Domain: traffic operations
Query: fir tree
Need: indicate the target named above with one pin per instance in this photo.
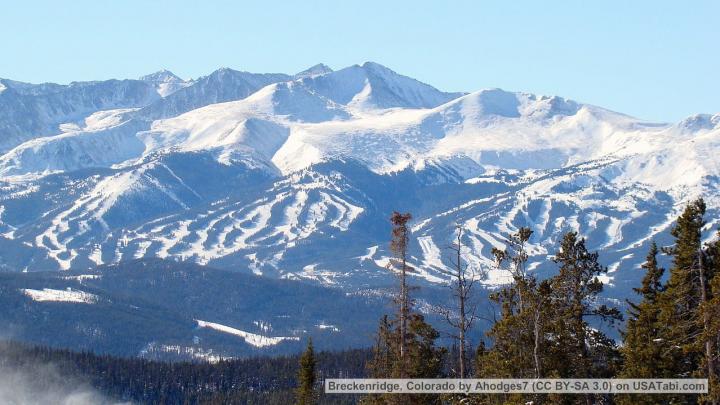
(305, 394)
(584, 352)
(677, 317)
(652, 284)
(642, 349)
(712, 311)
(575, 290)
(714, 336)
(679, 304)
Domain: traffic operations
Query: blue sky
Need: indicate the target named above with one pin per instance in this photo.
(657, 60)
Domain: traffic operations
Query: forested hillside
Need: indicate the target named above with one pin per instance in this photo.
(551, 327)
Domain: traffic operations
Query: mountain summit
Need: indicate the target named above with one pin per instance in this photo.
(316, 70)
(165, 82)
(161, 76)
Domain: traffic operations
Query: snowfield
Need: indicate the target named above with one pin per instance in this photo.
(69, 295)
(250, 338)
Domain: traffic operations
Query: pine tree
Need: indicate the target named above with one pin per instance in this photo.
(423, 359)
(519, 339)
(305, 394)
(552, 318)
(586, 352)
(652, 284)
(680, 302)
(670, 333)
(523, 303)
(712, 311)
(706, 341)
(642, 349)
(383, 360)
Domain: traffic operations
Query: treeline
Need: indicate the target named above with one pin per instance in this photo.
(261, 380)
(550, 328)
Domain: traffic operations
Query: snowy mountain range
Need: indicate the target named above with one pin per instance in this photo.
(295, 176)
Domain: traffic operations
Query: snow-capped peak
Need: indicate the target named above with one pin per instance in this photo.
(219, 86)
(374, 66)
(165, 82)
(373, 86)
(514, 105)
(700, 122)
(161, 76)
(316, 70)
(228, 77)
(261, 171)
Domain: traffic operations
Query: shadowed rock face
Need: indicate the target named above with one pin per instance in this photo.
(220, 86)
(28, 111)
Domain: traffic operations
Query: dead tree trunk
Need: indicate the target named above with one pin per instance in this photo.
(399, 246)
(462, 296)
(536, 346)
(462, 316)
(709, 358)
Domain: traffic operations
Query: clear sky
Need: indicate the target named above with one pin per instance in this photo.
(657, 60)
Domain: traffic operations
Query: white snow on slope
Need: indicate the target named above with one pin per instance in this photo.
(325, 326)
(291, 216)
(290, 126)
(369, 254)
(431, 253)
(250, 338)
(69, 295)
(193, 352)
(95, 147)
(556, 165)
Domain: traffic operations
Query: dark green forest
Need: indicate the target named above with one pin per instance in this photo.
(261, 380)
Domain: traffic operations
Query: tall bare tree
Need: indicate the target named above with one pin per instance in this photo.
(462, 316)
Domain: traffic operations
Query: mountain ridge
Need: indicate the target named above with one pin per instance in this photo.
(260, 172)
